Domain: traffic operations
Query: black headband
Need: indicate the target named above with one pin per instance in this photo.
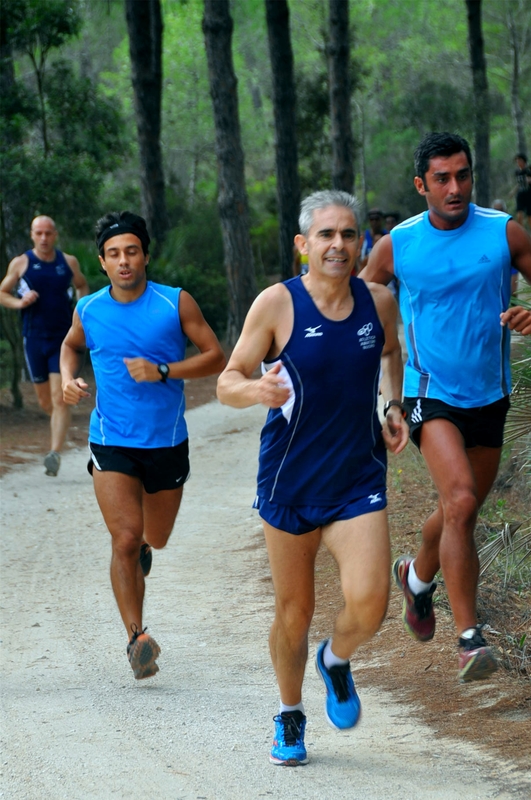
(124, 227)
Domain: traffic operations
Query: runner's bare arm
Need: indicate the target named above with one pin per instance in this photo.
(209, 361)
(236, 387)
(395, 430)
(15, 271)
(72, 349)
(380, 268)
(80, 282)
(517, 318)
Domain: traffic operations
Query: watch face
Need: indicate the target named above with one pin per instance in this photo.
(164, 370)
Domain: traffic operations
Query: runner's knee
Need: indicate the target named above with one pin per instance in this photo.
(126, 543)
(460, 510)
(294, 617)
(365, 612)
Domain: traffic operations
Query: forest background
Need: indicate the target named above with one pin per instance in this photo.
(69, 133)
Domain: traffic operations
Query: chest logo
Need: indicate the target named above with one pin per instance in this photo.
(484, 260)
(367, 338)
(313, 332)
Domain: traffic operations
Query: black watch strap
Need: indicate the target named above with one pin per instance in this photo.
(164, 371)
(398, 403)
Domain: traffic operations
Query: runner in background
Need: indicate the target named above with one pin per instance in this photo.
(38, 284)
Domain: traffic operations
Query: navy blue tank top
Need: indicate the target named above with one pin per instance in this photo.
(51, 315)
(325, 446)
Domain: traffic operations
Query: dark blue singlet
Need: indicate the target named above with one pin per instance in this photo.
(51, 315)
(325, 446)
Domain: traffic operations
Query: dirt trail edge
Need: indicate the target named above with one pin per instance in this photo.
(75, 723)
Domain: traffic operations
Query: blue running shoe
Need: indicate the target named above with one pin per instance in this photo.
(342, 707)
(288, 745)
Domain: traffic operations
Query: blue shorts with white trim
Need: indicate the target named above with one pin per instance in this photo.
(303, 519)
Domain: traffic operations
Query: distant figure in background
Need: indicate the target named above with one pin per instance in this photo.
(41, 279)
(300, 262)
(523, 189)
(501, 205)
(372, 234)
(392, 218)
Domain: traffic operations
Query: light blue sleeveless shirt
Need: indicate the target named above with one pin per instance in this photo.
(453, 286)
(127, 413)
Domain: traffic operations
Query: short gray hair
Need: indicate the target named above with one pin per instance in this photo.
(328, 197)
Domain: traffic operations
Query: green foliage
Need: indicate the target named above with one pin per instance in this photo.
(37, 26)
(192, 258)
(58, 142)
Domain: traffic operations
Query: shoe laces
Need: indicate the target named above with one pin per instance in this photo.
(339, 675)
(136, 633)
(423, 602)
(475, 641)
(291, 728)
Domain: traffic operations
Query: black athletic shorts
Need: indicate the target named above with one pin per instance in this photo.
(523, 201)
(481, 426)
(158, 468)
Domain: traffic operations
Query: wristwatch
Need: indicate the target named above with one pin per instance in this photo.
(164, 371)
(390, 403)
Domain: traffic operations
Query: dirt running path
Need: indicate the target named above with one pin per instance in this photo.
(77, 726)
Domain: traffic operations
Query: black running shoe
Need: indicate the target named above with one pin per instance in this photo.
(145, 558)
(476, 659)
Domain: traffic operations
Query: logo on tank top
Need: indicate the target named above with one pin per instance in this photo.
(60, 270)
(366, 337)
(484, 260)
(313, 332)
(36, 266)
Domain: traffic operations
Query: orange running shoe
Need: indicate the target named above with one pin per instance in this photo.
(142, 652)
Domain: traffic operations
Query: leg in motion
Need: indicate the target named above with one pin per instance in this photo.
(292, 561)
(361, 549)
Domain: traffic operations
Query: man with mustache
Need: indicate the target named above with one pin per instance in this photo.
(453, 266)
(322, 338)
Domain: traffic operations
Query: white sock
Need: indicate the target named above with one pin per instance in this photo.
(329, 657)
(468, 634)
(285, 708)
(415, 584)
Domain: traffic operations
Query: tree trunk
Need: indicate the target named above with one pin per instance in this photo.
(481, 102)
(516, 108)
(9, 321)
(284, 100)
(339, 80)
(232, 196)
(144, 24)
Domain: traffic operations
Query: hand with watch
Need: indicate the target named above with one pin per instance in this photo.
(398, 403)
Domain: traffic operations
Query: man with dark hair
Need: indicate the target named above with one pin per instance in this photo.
(136, 331)
(42, 279)
(321, 338)
(453, 264)
(523, 189)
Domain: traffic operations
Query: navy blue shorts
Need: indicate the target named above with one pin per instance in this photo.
(158, 468)
(303, 519)
(42, 356)
(479, 427)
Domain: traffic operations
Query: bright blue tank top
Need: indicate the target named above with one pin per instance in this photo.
(324, 446)
(453, 286)
(51, 315)
(127, 413)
